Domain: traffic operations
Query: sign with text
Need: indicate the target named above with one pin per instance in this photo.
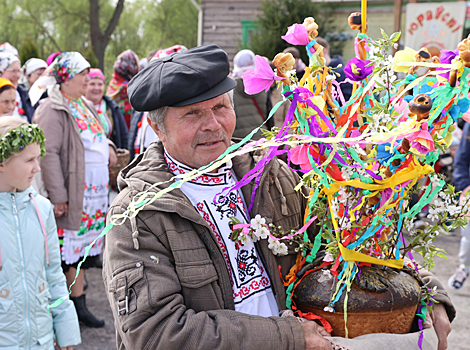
(436, 25)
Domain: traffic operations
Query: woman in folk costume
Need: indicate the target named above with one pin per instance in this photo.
(7, 97)
(10, 68)
(125, 67)
(31, 71)
(75, 168)
(109, 112)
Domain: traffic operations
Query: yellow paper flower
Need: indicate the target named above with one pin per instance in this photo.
(406, 55)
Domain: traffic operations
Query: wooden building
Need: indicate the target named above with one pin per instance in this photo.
(228, 23)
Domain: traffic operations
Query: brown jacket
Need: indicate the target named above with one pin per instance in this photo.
(63, 166)
(165, 275)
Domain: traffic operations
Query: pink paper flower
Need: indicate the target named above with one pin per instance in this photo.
(299, 155)
(259, 78)
(296, 35)
(421, 141)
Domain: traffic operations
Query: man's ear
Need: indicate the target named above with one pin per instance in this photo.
(161, 135)
(2, 167)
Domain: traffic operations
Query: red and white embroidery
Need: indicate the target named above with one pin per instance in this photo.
(250, 283)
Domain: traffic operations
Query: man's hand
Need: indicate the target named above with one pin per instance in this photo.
(112, 157)
(61, 209)
(438, 318)
(314, 334)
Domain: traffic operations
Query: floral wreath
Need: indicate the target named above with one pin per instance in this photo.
(17, 139)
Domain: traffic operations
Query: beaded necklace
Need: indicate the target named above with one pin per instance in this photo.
(91, 122)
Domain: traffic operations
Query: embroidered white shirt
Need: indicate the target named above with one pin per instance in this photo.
(252, 292)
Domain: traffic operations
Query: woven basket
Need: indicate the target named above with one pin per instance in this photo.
(123, 156)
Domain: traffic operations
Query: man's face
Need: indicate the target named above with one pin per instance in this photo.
(197, 134)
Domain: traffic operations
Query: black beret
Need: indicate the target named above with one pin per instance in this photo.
(181, 79)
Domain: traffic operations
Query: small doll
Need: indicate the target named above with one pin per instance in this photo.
(284, 62)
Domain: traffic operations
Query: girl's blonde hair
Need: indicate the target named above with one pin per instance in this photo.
(9, 123)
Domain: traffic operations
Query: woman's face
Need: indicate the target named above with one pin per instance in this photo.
(13, 73)
(35, 76)
(7, 102)
(95, 90)
(77, 86)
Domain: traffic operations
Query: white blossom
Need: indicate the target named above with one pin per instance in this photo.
(257, 222)
(347, 173)
(245, 239)
(433, 214)
(263, 232)
(454, 209)
(277, 247)
(334, 207)
(435, 180)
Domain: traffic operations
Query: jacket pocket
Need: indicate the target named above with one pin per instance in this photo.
(46, 341)
(9, 317)
(196, 274)
(123, 286)
(43, 316)
(6, 298)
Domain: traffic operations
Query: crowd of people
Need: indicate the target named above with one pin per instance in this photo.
(171, 273)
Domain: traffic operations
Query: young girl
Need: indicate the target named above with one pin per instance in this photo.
(31, 277)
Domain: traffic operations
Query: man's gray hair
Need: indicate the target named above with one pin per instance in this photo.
(158, 115)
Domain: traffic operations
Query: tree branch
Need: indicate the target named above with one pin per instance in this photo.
(67, 12)
(44, 30)
(115, 19)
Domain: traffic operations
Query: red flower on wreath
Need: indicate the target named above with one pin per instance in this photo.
(90, 222)
(99, 214)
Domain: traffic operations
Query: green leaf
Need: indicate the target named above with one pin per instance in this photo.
(395, 36)
(384, 35)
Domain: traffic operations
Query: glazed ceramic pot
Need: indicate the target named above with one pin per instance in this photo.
(382, 300)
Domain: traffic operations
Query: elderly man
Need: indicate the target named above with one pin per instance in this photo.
(173, 277)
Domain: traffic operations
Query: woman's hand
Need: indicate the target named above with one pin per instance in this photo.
(61, 209)
(112, 157)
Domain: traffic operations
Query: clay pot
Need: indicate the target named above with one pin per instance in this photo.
(382, 301)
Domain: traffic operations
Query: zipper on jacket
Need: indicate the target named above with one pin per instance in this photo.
(22, 267)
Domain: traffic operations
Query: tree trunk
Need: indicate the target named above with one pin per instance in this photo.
(99, 39)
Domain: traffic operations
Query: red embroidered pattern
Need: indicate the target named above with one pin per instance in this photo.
(204, 178)
(208, 179)
(173, 167)
(240, 201)
(255, 285)
(205, 215)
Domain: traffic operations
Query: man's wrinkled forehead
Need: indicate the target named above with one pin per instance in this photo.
(221, 99)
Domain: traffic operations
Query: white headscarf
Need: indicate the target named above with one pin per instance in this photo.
(243, 60)
(7, 47)
(32, 65)
(65, 67)
(6, 59)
